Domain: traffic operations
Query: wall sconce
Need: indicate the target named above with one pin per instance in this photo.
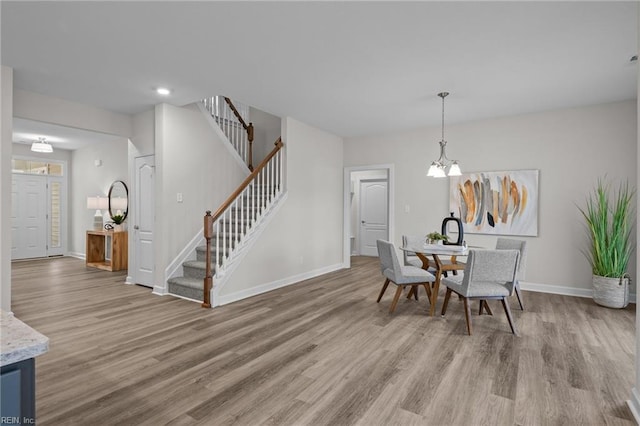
(98, 204)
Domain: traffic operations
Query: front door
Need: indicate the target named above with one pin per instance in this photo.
(373, 215)
(28, 216)
(144, 208)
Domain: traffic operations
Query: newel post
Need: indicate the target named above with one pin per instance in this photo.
(250, 138)
(208, 279)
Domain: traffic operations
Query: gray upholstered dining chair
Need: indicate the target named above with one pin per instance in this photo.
(488, 274)
(410, 258)
(401, 276)
(521, 246)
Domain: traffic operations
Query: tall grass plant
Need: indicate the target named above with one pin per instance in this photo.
(608, 214)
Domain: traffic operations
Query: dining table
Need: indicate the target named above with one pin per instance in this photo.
(438, 253)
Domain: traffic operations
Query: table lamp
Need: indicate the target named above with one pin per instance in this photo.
(99, 204)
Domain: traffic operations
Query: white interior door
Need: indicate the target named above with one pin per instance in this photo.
(374, 215)
(144, 215)
(28, 216)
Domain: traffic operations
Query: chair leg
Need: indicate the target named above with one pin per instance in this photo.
(415, 291)
(446, 301)
(395, 299)
(519, 296)
(507, 310)
(410, 292)
(427, 287)
(384, 288)
(467, 314)
(484, 304)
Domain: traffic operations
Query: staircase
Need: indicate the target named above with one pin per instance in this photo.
(231, 230)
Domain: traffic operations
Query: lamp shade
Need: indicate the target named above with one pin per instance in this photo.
(92, 203)
(455, 169)
(97, 203)
(103, 203)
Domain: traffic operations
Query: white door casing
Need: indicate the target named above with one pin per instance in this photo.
(28, 216)
(374, 217)
(144, 215)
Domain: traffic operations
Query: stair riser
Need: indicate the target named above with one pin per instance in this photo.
(183, 291)
(191, 272)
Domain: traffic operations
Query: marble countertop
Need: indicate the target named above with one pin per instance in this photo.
(18, 341)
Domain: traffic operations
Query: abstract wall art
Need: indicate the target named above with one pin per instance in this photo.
(502, 203)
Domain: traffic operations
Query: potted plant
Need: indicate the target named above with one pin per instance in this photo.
(608, 216)
(118, 220)
(435, 237)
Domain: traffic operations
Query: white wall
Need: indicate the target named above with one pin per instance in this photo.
(267, 129)
(35, 106)
(191, 160)
(6, 137)
(570, 147)
(89, 180)
(304, 239)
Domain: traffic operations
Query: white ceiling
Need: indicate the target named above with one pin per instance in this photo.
(351, 68)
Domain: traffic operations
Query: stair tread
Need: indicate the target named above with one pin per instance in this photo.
(187, 282)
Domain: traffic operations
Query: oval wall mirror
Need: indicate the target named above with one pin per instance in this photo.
(118, 200)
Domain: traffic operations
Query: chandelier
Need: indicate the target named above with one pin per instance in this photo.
(41, 146)
(438, 167)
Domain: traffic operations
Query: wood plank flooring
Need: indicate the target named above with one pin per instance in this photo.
(321, 352)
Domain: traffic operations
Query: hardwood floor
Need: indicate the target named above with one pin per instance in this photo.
(321, 352)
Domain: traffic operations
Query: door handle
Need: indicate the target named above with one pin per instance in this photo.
(136, 227)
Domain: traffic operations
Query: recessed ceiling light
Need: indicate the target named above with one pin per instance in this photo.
(163, 91)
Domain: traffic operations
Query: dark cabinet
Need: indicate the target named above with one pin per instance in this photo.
(17, 393)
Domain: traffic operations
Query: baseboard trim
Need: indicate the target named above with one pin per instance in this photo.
(634, 404)
(284, 282)
(563, 290)
(183, 298)
(159, 290)
(556, 289)
(77, 255)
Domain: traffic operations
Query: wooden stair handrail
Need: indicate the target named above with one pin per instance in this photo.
(247, 127)
(248, 180)
(236, 113)
(209, 220)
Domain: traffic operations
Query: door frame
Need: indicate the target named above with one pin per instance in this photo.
(346, 220)
(64, 223)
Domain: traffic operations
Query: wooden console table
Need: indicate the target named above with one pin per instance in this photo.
(102, 255)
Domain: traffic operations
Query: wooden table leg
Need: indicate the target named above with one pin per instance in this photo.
(434, 293)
